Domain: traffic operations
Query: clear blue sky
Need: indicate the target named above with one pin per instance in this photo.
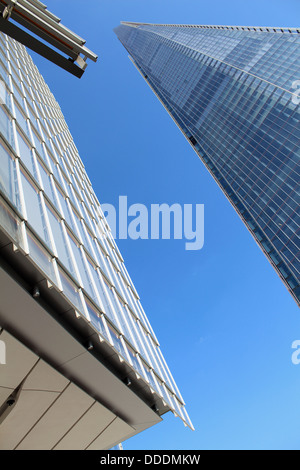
(224, 319)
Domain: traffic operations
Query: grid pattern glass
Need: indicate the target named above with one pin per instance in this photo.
(234, 93)
(49, 209)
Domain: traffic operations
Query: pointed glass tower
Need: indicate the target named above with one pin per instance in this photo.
(233, 92)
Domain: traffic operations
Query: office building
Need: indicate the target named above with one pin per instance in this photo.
(80, 366)
(234, 93)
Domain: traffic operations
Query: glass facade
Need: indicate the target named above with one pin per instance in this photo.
(49, 210)
(233, 92)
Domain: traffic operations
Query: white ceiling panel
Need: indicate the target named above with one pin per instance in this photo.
(87, 429)
(28, 410)
(45, 377)
(117, 432)
(19, 361)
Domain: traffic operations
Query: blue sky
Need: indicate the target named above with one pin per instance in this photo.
(223, 317)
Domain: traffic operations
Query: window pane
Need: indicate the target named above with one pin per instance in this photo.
(4, 74)
(38, 146)
(26, 155)
(6, 126)
(96, 320)
(79, 257)
(46, 182)
(41, 257)
(70, 290)
(65, 209)
(64, 255)
(34, 209)
(17, 95)
(22, 121)
(10, 223)
(8, 177)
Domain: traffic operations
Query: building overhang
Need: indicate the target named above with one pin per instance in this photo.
(65, 396)
(54, 41)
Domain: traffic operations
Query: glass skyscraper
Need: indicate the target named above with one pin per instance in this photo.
(234, 93)
(56, 244)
